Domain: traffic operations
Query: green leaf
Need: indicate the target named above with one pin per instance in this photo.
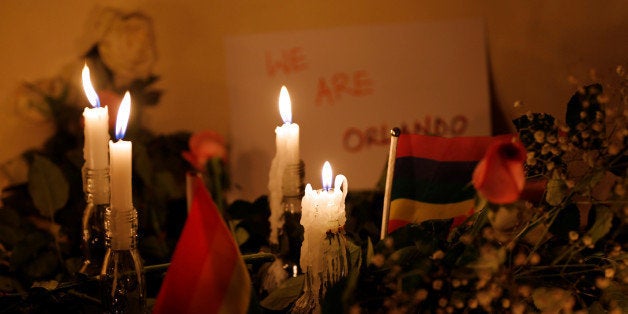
(602, 224)
(555, 191)
(42, 266)
(355, 255)
(285, 294)
(8, 284)
(369, 251)
(10, 230)
(27, 249)
(355, 264)
(47, 186)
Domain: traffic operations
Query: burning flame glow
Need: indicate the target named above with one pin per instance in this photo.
(91, 94)
(326, 176)
(285, 106)
(123, 116)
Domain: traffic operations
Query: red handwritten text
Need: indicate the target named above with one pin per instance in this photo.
(356, 84)
(288, 61)
(355, 140)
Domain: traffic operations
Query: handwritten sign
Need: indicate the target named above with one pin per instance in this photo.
(349, 87)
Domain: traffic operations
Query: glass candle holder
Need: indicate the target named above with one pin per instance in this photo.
(96, 189)
(122, 280)
(291, 233)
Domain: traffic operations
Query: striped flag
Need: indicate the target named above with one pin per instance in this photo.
(207, 273)
(432, 177)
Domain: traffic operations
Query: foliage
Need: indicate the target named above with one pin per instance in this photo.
(561, 248)
(40, 219)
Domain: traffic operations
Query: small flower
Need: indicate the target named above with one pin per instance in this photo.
(437, 284)
(573, 236)
(204, 146)
(587, 240)
(438, 255)
(420, 295)
(458, 303)
(535, 259)
(520, 259)
(602, 282)
(539, 136)
(619, 189)
(378, 260)
(524, 291)
(505, 303)
(484, 298)
(442, 302)
(609, 272)
(455, 283)
(550, 166)
(473, 303)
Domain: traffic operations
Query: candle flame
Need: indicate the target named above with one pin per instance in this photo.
(91, 94)
(285, 105)
(326, 176)
(123, 116)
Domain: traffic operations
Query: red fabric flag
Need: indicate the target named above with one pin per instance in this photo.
(432, 177)
(207, 273)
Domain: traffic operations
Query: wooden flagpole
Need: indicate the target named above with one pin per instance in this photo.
(392, 154)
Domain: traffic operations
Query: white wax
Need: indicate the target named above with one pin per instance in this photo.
(321, 211)
(121, 193)
(287, 141)
(96, 133)
(287, 153)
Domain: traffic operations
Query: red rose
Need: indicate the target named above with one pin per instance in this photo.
(499, 176)
(205, 145)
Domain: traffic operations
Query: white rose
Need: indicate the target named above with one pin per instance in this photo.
(128, 48)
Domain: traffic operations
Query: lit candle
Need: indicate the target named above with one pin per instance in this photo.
(322, 211)
(96, 127)
(287, 153)
(121, 189)
(327, 203)
(287, 138)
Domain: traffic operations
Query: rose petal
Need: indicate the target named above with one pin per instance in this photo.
(499, 176)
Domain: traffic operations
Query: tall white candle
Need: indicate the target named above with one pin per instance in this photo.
(121, 176)
(96, 127)
(287, 153)
(287, 135)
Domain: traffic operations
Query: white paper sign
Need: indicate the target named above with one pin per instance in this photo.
(349, 87)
